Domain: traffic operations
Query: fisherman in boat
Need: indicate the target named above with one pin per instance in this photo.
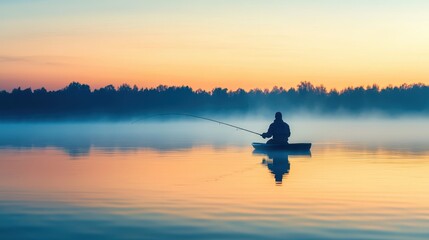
(278, 130)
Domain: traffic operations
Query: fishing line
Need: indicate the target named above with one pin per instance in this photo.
(203, 118)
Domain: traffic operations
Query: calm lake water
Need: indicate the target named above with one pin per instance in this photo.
(364, 179)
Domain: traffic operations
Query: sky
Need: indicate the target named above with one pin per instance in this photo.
(213, 43)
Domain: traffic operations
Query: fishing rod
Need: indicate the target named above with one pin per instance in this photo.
(204, 118)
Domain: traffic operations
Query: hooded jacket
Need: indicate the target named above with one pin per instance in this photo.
(279, 130)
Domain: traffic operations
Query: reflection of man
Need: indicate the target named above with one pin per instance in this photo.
(278, 165)
(279, 130)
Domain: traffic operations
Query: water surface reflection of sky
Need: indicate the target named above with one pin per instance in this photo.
(81, 182)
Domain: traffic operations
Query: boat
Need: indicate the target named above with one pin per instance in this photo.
(300, 147)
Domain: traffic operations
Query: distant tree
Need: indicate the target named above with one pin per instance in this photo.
(40, 91)
(77, 88)
(124, 88)
(107, 89)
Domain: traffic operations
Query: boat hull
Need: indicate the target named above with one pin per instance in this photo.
(283, 147)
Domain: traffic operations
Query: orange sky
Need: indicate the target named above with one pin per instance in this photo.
(245, 44)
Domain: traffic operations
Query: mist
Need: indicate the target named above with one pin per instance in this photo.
(181, 133)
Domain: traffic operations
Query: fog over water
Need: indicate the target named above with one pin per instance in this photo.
(183, 132)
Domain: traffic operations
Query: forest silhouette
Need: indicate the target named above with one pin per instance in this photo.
(78, 101)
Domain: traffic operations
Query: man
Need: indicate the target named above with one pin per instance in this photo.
(279, 130)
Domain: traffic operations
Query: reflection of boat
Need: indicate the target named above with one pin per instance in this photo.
(278, 161)
(280, 154)
(286, 147)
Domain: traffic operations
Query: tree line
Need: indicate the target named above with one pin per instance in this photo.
(78, 101)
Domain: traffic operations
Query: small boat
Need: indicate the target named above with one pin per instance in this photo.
(283, 147)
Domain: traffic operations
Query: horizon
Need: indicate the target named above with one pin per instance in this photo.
(205, 44)
(78, 101)
(328, 90)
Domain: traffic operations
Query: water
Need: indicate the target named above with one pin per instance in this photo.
(195, 180)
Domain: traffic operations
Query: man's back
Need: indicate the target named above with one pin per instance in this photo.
(279, 130)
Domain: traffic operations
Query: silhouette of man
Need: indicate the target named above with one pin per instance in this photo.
(279, 130)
